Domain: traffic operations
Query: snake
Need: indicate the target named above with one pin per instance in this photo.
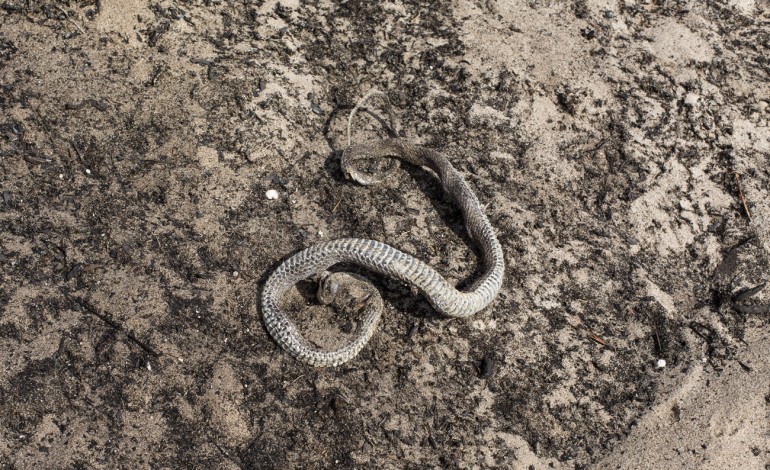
(376, 256)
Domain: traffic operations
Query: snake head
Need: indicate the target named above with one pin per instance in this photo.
(328, 286)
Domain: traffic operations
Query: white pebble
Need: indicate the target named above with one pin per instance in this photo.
(181, 360)
(235, 273)
(149, 366)
(88, 172)
(660, 363)
(61, 176)
(320, 233)
(271, 194)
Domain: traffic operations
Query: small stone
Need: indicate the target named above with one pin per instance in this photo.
(691, 99)
(271, 194)
(88, 172)
(61, 176)
(660, 363)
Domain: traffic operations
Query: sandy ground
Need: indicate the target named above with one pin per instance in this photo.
(621, 150)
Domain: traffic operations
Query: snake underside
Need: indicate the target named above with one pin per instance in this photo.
(382, 258)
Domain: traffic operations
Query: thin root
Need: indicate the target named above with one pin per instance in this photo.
(743, 198)
(370, 94)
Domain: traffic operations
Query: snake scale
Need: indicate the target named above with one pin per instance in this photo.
(381, 258)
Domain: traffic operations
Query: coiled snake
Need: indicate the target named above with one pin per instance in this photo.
(382, 258)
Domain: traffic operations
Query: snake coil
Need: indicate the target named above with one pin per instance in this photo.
(381, 258)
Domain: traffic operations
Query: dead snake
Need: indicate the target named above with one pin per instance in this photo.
(382, 258)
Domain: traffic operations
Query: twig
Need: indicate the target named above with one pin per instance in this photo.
(743, 198)
(225, 454)
(67, 17)
(36, 159)
(596, 338)
(109, 321)
(579, 326)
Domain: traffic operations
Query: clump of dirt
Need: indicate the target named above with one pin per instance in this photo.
(621, 151)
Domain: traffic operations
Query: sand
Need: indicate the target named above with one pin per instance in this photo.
(621, 150)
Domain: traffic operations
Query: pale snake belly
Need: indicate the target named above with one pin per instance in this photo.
(381, 258)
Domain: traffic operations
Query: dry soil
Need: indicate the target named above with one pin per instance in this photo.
(621, 150)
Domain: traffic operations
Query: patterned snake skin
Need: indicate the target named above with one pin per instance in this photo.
(382, 258)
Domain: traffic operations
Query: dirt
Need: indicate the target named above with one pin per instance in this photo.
(621, 150)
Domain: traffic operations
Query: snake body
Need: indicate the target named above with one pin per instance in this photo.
(384, 259)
